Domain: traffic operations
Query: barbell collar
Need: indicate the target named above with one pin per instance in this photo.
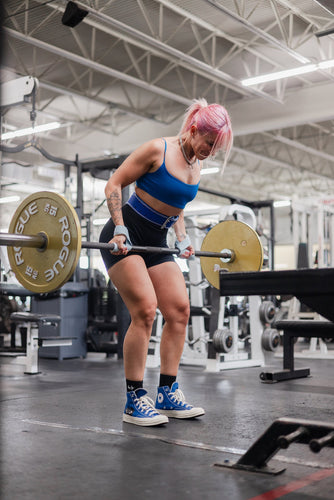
(227, 255)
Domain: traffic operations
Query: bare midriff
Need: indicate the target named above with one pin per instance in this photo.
(157, 205)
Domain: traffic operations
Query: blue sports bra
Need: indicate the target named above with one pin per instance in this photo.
(167, 188)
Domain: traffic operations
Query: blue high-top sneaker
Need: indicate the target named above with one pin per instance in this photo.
(139, 410)
(171, 402)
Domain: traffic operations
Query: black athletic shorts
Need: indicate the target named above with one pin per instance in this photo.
(142, 233)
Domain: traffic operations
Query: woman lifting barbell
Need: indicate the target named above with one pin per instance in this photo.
(167, 174)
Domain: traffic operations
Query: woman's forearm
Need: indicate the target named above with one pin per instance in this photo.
(114, 203)
(180, 228)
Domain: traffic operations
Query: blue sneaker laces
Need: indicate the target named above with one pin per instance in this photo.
(178, 397)
(145, 404)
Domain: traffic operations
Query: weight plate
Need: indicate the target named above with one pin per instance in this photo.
(236, 236)
(43, 271)
(222, 340)
(270, 339)
(267, 312)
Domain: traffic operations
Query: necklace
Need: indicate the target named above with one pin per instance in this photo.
(190, 163)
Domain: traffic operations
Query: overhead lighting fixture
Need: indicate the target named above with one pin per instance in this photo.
(9, 199)
(211, 166)
(278, 75)
(30, 130)
(211, 170)
(282, 203)
(83, 262)
(326, 64)
(100, 222)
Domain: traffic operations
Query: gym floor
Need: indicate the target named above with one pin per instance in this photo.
(62, 434)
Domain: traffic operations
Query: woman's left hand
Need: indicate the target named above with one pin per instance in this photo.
(185, 247)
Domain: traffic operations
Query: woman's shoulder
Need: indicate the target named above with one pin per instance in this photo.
(158, 143)
(162, 142)
(153, 146)
(157, 147)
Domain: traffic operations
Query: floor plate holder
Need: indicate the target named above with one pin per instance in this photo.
(279, 435)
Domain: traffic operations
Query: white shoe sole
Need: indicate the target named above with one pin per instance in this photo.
(145, 422)
(194, 412)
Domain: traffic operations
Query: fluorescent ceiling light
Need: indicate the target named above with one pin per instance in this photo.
(282, 203)
(326, 64)
(278, 75)
(211, 170)
(30, 130)
(100, 222)
(9, 199)
(83, 262)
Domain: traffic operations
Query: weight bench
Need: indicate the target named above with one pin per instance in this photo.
(291, 331)
(32, 322)
(312, 287)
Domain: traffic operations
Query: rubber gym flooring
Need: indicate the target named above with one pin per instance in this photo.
(62, 435)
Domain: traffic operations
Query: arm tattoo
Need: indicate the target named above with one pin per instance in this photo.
(114, 203)
(179, 228)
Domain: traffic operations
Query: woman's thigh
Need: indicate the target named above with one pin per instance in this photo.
(170, 288)
(131, 278)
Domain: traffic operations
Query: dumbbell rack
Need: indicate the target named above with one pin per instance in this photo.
(238, 358)
(195, 350)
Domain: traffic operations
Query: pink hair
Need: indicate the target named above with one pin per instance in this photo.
(210, 118)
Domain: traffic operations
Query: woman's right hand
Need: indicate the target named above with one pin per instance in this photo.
(120, 241)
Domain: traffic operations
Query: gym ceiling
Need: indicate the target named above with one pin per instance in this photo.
(128, 70)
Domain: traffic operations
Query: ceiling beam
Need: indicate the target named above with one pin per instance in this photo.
(257, 31)
(163, 50)
(88, 63)
(301, 146)
(279, 163)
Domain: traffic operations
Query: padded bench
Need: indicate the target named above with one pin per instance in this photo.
(291, 331)
(32, 322)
